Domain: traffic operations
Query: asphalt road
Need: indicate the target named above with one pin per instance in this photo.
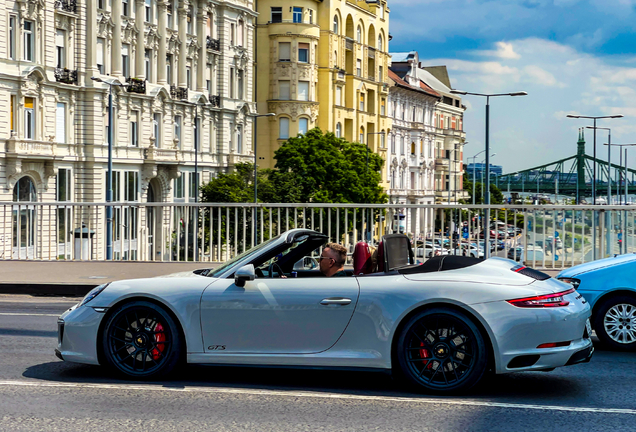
(40, 393)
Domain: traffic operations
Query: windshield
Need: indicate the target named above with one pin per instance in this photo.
(250, 252)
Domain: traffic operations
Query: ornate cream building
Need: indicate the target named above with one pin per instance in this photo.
(325, 64)
(185, 65)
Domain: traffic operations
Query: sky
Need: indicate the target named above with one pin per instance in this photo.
(571, 56)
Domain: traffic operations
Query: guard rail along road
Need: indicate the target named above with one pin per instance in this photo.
(546, 236)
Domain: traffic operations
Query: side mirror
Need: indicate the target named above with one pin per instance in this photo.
(244, 274)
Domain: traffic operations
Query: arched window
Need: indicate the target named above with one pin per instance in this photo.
(359, 35)
(303, 125)
(412, 147)
(383, 139)
(335, 24)
(362, 134)
(24, 218)
(283, 128)
(380, 47)
(338, 130)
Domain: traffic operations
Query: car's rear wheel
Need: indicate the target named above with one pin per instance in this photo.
(615, 322)
(141, 340)
(441, 351)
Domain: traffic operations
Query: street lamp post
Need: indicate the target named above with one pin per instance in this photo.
(487, 201)
(594, 118)
(255, 116)
(618, 191)
(473, 158)
(109, 172)
(482, 179)
(609, 161)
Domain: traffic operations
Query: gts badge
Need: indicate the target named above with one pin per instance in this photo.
(216, 347)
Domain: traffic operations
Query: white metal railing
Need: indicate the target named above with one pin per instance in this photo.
(543, 236)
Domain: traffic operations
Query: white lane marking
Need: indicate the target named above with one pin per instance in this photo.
(317, 395)
(28, 314)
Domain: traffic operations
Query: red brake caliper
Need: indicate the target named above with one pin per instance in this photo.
(425, 355)
(159, 338)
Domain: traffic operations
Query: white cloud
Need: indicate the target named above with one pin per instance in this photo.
(542, 77)
(504, 50)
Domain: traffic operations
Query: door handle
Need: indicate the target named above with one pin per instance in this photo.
(335, 301)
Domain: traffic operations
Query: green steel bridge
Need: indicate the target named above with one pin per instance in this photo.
(570, 176)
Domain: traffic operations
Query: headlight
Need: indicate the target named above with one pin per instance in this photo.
(93, 293)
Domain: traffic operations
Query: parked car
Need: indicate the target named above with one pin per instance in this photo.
(468, 250)
(609, 285)
(428, 249)
(439, 326)
(535, 253)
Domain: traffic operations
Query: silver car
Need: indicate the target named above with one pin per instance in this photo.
(438, 326)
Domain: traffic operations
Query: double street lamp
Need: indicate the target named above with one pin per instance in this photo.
(487, 150)
(594, 170)
(109, 172)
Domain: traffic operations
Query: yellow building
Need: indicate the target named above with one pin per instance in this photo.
(321, 64)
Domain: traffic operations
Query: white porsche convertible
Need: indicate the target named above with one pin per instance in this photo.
(439, 325)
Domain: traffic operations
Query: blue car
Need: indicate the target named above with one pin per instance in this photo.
(609, 285)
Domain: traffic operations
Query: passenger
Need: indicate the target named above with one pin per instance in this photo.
(332, 260)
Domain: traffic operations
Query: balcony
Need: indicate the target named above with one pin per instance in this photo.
(442, 163)
(215, 101)
(385, 88)
(153, 154)
(178, 92)
(349, 44)
(136, 85)
(66, 5)
(65, 75)
(371, 53)
(213, 44)
(371, 77)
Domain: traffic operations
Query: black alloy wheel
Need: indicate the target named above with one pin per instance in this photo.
(441, 351)
(141, 340)
(615, 322)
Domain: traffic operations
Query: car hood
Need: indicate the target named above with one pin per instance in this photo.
(598, 264)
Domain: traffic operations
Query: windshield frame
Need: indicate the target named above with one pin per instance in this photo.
(249, 253)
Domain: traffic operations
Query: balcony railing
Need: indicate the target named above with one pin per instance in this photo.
(565, 235)
(215, 101)
(349, 44)
(178, 92)
(66, 5)
(371, 53)
(213, 44)
(136, 85)
(371, 77)
(65, 75)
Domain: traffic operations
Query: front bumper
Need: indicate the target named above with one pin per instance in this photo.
(77, 330)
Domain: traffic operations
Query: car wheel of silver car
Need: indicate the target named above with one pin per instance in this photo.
(441, 351)
(615, 322)
(140, 340)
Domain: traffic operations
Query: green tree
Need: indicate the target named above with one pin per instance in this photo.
(496, 196)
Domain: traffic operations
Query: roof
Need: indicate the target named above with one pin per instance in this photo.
(422, 88)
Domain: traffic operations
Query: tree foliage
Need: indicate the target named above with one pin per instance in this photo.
(496, 196)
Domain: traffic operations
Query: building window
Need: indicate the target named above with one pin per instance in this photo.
(361, 101)
(240, 84)
(283, 128)
(240, 32)
(298, 14)
(189, 77)
(193, 190)
(100, 55)
(412, 147)
(134, 128)
(189, 21)
(125, 60)
(29, 41)
(283, 90)
(303, 126)
(336, 26)
(12, 111)
(311, 16)
(12, 34)
(169, 69)
(383, 107)
(232, 83)
(232, 31)
(147, 59)
(359, 67)
(392, 138)
(284, 51)
(239, 139)
(156, 129)
(63, 186)
(60, 122)
(303, 52)
(277, 14)
(29, 118)
(177, 128)
(148, 4)
(131, 186)
(383, 140)
(402, 146)
(380, 46)
(362, 134)
(303, 90)
(124, 7)
(338, 130)
(338, 96)
(178, 186)
(380, 74)
(359, 35)
(60, 50)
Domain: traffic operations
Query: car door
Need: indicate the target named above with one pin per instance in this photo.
(277, 316)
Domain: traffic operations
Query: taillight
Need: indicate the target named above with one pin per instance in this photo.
(574, 282)
(547, 300)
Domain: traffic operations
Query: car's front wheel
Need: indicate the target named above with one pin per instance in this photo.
(140, 340)
(615, 322)
(441, 351)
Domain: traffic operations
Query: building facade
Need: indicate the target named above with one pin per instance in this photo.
(448, 135)
(322, 64)
(177, 69)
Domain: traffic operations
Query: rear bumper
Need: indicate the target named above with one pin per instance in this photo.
(582, 356)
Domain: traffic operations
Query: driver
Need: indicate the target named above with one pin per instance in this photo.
(332, 260)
